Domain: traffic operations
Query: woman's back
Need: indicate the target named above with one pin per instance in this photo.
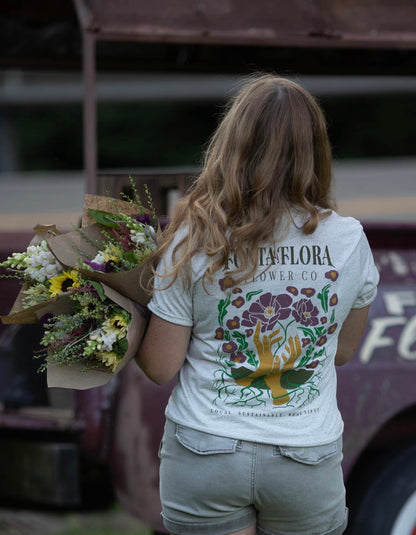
(261, 355)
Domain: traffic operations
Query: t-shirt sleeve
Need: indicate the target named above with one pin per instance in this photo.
(171, 302)
(369, 274)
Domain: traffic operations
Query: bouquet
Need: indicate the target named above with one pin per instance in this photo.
(115, 239)
(84, 287)
(41, 275)
(90, 335)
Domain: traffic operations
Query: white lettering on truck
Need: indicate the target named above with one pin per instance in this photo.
(395, 303)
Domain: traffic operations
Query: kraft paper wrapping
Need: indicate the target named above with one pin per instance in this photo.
(107, 204)
(28, 315)
(73, 375)
(70, 247)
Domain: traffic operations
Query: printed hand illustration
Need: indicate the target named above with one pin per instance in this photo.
(272, 367)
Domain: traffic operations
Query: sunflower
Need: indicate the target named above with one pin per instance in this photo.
(109, 359)
(117, 325)
(64, 282)
(112, 253)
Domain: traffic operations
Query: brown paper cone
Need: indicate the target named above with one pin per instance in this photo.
(73, 376)
(70, 247)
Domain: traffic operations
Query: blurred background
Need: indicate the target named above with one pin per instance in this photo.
(145, 105)
(157, 104)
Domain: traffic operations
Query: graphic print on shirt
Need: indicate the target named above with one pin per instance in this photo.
(272, 347)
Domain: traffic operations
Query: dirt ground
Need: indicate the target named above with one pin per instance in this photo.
(29, 522)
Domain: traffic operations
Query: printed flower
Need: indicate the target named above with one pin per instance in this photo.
(321, 341)
(313, 364)
(333, 300)
(233, 323)
(292, 290)
(324, 320)
(332, 328)
(237, 290)
(239, 302)
(249, 332)
(229, 347)
(332, 275)
(309, 292)
(64, 282)
(268, 309)
(305, 342)
(305, 312)
(238, 357)
(226, 282)
(219, 333)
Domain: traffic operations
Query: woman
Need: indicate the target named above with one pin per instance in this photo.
(260, 290)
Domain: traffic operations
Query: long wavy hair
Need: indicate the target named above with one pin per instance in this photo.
(270, 152)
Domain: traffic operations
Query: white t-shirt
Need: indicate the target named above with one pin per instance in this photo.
(260, 363)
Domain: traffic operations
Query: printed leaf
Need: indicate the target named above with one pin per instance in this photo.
(251, 358)
(293, 378)
(323, 297)
(222, 309)
(333, 316)
(250, 295)
(241, 340)
(103, 218)
(309, 333)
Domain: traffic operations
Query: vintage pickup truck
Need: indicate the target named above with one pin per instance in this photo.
(83, 448)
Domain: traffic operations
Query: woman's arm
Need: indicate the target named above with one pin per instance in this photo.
(163, 349)
(350, 335)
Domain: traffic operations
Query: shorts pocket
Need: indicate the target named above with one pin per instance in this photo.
(204, 443)
(312, 454)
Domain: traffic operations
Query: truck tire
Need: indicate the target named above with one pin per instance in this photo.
(387, 506)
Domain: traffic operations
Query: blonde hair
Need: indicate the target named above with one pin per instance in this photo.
(269, 152)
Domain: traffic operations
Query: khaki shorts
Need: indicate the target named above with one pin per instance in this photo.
(213, 485)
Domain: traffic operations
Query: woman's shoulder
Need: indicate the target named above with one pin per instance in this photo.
(345, 222)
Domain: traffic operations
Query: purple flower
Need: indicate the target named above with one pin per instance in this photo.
(292, 290)
(309, 292)
(332, 274)
(332, 328)
(145, 219)
(324, 320)
(321, 341)
(238, 302)
(305, 342)
(226, 282)
(229, 347)
(305, 312)
(249, 332)
(238, 357)
(233, 323)
(268, 309)
(237, 290)
(313, 364)
(333, 300)
(219, 333)
(95, 266)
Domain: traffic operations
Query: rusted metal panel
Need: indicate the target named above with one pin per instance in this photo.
(311, 23)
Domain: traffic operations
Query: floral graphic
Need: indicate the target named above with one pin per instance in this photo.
(268, 310)
(274, 349)
(305, 313)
